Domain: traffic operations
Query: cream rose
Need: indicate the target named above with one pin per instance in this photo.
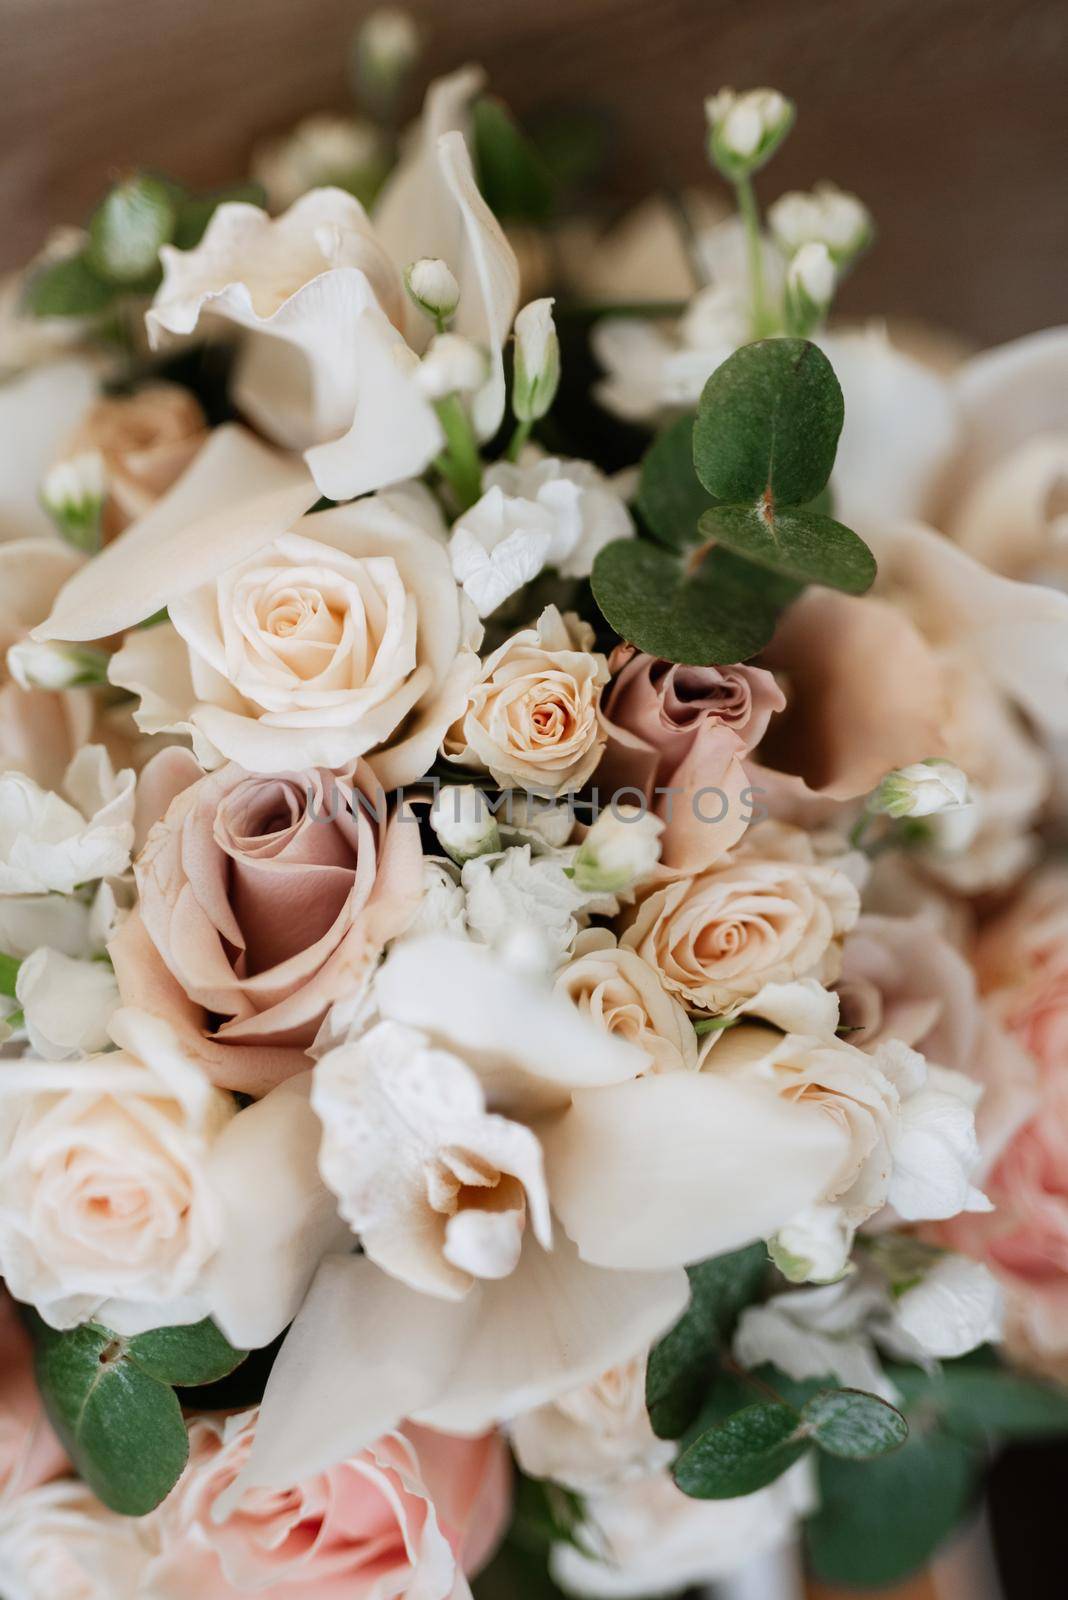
(595, 1437)
(262, 900)
(58, 1542)
(770, 912)
(625, 995)
(105, 1195)
(346, 636)
(533, 719)
(145, 441)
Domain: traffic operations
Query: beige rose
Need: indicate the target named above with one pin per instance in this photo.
(146, 440)
(595, 1437)
(625, 995)
(533, 720)
(58, 1542)
(770, 912)
(262, 900)
(343, 637)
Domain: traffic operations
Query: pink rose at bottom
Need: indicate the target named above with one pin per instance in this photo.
(414, 1515)
(1024, 1240)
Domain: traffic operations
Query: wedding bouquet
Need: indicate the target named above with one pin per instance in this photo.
(534, 977)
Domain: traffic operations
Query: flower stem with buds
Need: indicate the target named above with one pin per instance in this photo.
(459, 463)
(750, 215)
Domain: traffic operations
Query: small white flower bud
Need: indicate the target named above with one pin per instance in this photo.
(745, 130)
(452, 365)
(56, 666)
(537, 361)
(433, 287)
(826, 216)
(464, 823)
(387, 47)
(621, 849)
(810, 282)
(73, 494)
(814, 1246)
(921, 790)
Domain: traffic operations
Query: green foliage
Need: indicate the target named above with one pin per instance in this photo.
(67, 288)
(748, 1451)
(127, 228)
(514, 180)
(853, 1424)
(727, 496)
(9, 971)
(681, 1365)
(111, 1402)
(977, 1398)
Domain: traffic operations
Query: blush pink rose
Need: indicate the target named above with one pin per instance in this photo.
(413, 1515)
(685, 729)
(262, 898)
(1024, 1240)
(30, 1453)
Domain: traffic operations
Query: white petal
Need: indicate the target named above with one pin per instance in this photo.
(237, 497)
(67, 1004)
(39, 410)
(366, 1351)
(674, 1168)
(956, 1307)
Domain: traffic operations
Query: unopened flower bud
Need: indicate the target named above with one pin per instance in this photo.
(810, 282)
(826, 216)
(621, 849)
(452, 365)
(386, 48)
(921, 790)
(745, 130)
(73, 494)
(56, 666)
(814, 1246)
(537, 361)
(464, 823)
(433, 287)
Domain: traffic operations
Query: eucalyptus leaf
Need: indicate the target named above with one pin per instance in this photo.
(719, 610)
(128, 227)
(797, 543)
(671, 497)
(853, 1424)
(196, 211)
(880, 1520)
(768, 423)
(514, 180)
(680, 1366)
(122, 1429)
(67, 288)
(977, 1397)
(189, 1355)
(744, 1454)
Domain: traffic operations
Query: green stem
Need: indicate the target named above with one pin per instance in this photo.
(459, 463)
(518, 440)
(750, 215)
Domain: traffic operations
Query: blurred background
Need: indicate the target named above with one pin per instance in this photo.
(948, 117)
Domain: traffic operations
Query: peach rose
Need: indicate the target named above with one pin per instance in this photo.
(533, 720)
(30, 1453)
(146, 440)
(625, 995)
(412, 1515)
(596, 1437)
(1022, 960)
(685, 729)
(262, 900)
(771, 912)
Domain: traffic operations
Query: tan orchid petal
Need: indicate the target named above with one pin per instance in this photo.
(677, 1167)
(366, 1351)
(237, 496)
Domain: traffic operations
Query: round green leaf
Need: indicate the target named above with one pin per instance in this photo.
(880, 1520)
(123, 1431)
(671, 497)
(514, 179)
(853, 1424)
(745, 1453)
(799, 544)
(128, 227)
(191, 1355)
(768, 422)
(723, 611)
(68, 288)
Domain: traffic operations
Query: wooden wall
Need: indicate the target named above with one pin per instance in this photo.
(949, 116)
